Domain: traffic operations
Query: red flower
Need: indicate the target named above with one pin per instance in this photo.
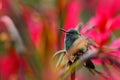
(106, 20)
(9, 64)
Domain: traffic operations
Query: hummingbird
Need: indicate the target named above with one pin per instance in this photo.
(71, 36)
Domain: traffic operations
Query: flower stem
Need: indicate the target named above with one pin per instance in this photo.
(73, 75)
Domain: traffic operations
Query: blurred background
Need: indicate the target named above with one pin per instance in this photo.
(29, 34)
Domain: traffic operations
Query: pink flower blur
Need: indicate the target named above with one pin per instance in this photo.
(72, 15)
(33, 23)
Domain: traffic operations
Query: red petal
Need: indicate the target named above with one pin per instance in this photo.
(104, 7)
(108, 8)
(115, 23)
(9, 65)
(115, 44)
(100, 38)
(96, 61)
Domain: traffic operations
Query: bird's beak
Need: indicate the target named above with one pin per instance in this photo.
(63, 30)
